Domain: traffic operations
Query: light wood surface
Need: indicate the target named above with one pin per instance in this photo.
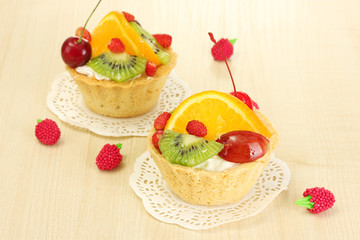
(298, 59)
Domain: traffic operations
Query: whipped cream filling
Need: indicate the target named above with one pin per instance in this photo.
(88, 71)
(216, 164)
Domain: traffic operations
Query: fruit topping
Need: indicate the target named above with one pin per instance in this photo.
(220, 112)
(161, 120)
(116, 46)
(163, 39)
(240, 95)
(109, 157)
(128, 16)
(75, 54)
(226, 47)
(187, 150)
(150, 40)
(196, 128)
(115, 25)
(255, 105)
(74, 51)
(47, 131)
(244, 98)
(317, 200)
(86, 34)
(156, 137)
(118, 66)
(243, 146)
(150, 69)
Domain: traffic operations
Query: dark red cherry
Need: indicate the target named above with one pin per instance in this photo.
(243, 146)
(75, 53)
(244, 98)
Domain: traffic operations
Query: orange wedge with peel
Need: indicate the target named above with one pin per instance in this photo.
(115, 25)
(220, 112)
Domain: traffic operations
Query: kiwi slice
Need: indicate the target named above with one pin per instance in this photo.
(118, 66)
(187, 150)
(150, 40)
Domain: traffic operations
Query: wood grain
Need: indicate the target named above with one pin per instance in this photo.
(298, 59)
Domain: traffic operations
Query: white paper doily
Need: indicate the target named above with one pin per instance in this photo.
(165, 206)
(66, 102)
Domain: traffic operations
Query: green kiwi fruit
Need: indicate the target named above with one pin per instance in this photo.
(118, 66)
(150, 40)
(187, 150)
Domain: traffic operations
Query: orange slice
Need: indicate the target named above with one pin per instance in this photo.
(220, 112)
(115, 25)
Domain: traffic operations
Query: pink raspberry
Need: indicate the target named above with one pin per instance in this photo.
(317, 200)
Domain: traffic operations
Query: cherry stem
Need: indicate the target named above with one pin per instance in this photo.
(82, 32)
(214, 41)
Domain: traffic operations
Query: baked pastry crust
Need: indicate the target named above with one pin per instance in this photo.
(127, 99)
(202, 187)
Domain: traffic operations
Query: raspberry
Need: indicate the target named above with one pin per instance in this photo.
(196, 128)
(156, 137)
(226, 47)
(150, 68)
(116, 46)
(86, 34)
(244, 98)
(129, 17)
(317, 200)
(47, 131)
(161, 120)
(109, 157)
(163, 39)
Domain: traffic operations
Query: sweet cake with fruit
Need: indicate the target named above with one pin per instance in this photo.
(120, 68)
(213, 147)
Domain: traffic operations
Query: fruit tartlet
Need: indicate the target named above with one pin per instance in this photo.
(214, 146)
(121, 69)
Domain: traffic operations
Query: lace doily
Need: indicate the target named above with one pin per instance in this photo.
(165, 206)
(66, 102)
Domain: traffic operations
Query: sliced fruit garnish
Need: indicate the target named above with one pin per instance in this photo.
(187, 150)
(115, 25)
(150, 40)
(118, 66)
(220, 112)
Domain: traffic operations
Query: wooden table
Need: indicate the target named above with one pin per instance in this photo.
(298, 59)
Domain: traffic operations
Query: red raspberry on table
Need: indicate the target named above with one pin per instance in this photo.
(226, 47)
(47, 131)
(197, 128)
(244, 98)
(317, 200)
(128, 16)
(164, 40)
(156, 137)
(109, 157)
(116, 45)
(161, 120)
(150, 68)
(86, 33)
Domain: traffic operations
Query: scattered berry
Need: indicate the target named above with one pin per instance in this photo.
(47, 131)
(109, 157)
(161, 120)
(86, 34)
(116, 46)
(129, 17)
(163, 39)
(244, 98)
(317, 200)
(150, 68)
(196, 128)
(226, 47)
(156, 137)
